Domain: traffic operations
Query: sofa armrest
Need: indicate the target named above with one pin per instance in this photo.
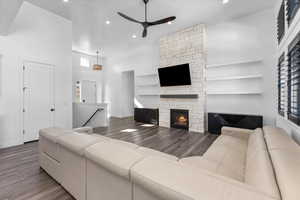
(171, 180)
(87, 130)
(237, 132)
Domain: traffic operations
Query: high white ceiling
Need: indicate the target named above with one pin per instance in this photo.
(90, 31)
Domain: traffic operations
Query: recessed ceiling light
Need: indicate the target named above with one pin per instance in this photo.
(169, 23)
(133, 36)
(225, 1)
(66, 1)
(107, 22)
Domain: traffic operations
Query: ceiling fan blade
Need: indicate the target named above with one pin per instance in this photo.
(128, 18)
(145, 32)
(162, 21)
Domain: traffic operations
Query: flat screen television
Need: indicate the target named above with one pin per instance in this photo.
(175, 76)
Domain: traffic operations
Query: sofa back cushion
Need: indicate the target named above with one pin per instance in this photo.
(259, 171)
(286, 165)
(278, 139)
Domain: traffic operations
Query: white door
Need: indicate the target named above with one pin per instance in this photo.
(88, 91)
(38, 97)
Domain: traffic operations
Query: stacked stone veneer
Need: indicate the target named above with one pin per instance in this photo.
(186, 46)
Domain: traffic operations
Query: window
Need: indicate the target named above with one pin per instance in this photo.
(292, 8)
(281, 22)
(294, 81)
(84, 62)
(281, 85)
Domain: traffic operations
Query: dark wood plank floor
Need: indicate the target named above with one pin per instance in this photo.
(22, 179)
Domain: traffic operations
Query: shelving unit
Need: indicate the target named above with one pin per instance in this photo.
(235, 93)
(235, 63)
(146, 75)
(148, 94)
(235, 78)
(242, 78)
(148, 85)
(147, 89)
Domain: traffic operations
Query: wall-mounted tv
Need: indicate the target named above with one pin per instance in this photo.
(175, 76)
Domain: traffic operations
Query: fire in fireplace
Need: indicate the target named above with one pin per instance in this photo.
(179, 119)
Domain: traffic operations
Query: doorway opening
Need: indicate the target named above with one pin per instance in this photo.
(128, 94)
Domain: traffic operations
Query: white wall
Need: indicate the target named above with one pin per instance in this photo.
(8, 11)
(36, 35)
(245, 38)
(142, 61)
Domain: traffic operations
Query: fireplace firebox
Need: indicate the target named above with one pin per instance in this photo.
(179, 119)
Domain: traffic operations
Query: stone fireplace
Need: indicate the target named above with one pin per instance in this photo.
(185, 46)
(179, 119)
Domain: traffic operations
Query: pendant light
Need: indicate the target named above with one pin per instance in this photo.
(97, 66)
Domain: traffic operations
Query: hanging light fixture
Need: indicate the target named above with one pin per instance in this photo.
(97, 66)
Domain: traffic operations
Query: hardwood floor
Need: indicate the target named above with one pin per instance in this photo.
(22, 179)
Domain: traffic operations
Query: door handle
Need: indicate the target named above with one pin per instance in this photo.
(52, 109)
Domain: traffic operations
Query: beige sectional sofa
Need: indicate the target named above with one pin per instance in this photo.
(241, 164)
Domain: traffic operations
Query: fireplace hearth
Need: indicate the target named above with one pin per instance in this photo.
(179, 119)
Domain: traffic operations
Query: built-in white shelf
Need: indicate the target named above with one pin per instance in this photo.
(235, 77)
(149, 94)
(148, 85)
(234, 63)
(234, 93)
(147, 75)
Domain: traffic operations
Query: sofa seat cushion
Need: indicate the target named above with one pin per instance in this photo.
(237, 132)
(53, 133)
(77, 142)
(170, 180)
(256, 142)
(233, 143)
(114, 157)
(229, 153)
(151, 152)
(277, 138)
(259, 171)
(212, 166)
(286, 165)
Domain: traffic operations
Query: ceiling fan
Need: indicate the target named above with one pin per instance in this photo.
(146, 23)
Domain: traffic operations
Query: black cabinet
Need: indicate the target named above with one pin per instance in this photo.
(146, 115)
(217, 120)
